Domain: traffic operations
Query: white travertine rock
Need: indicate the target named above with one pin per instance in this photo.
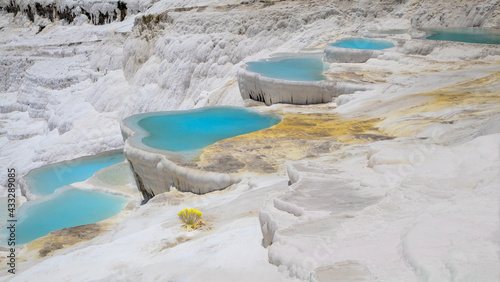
(349, 270)
(298, 223)
(419, 47)
(338, 207)
(272, 91)
(422, 230)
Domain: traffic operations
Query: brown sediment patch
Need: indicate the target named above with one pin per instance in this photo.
(64, 238)
(298, 136)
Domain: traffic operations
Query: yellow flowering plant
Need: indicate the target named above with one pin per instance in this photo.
(191, 217)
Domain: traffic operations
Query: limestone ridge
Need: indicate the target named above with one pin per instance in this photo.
(309, 213)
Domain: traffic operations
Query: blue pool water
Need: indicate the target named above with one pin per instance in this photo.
(363, 43)
(470, 35)
(196, 129)
(64, 208)
(43, 181)
(295, 69)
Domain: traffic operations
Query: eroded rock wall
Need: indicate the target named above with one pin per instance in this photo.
(155, 171)
(43, 12)
(271, 91)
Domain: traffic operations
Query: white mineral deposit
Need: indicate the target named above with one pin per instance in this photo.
(405, 188)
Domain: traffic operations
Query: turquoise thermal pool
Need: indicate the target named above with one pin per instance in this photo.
(196, 129)
(363, 43)
(45, 180)
(470, 35)
(294, 69)
(65, 208)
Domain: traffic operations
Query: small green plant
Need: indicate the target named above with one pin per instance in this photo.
(191, 218)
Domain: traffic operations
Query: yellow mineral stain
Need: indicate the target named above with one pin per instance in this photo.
(482, 91)
(298, 136)
(471, 98)
(303, 135)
